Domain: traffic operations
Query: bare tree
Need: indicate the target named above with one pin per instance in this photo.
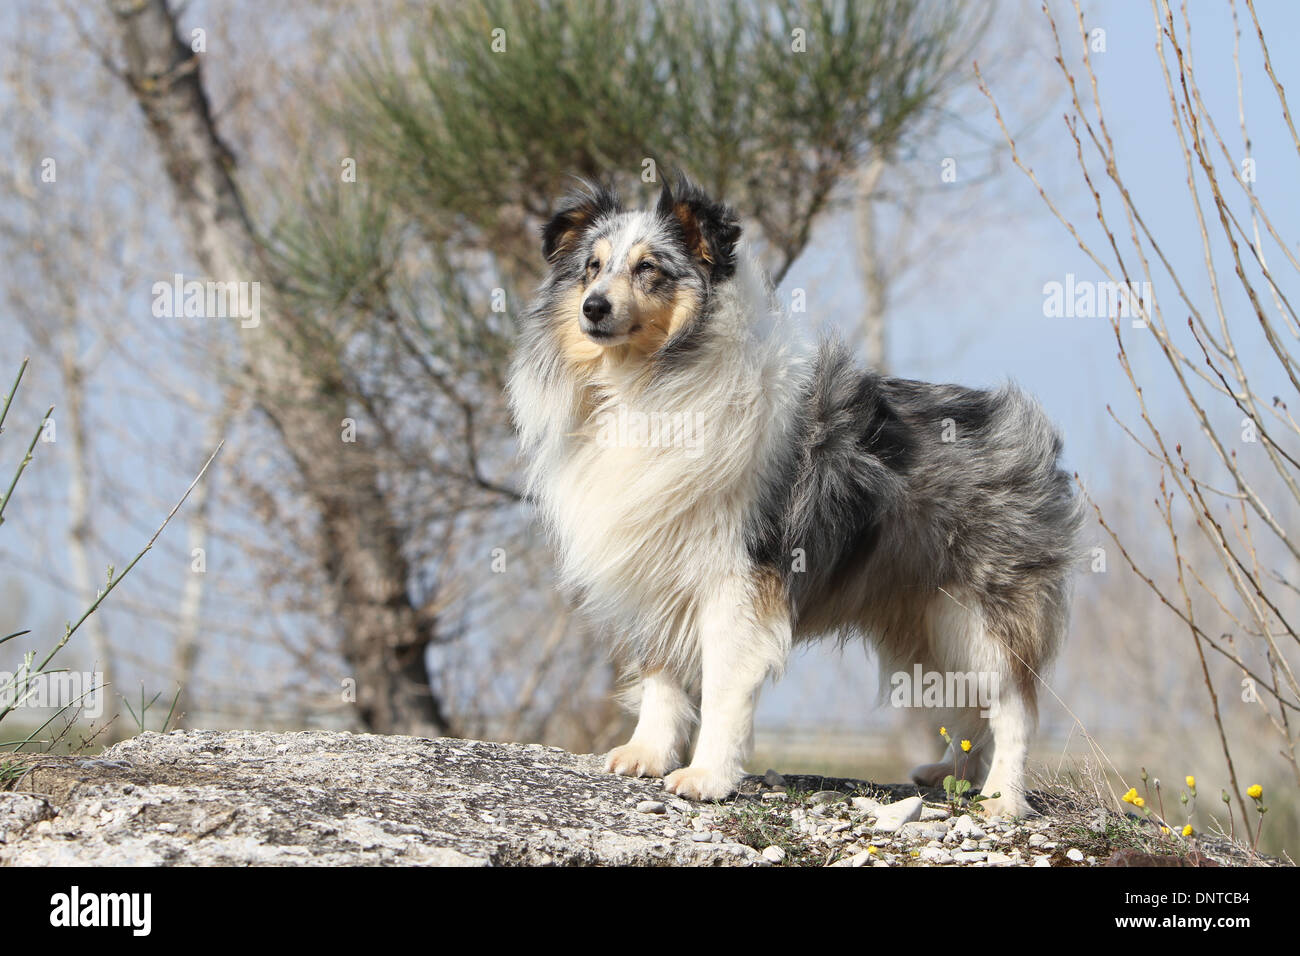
(1238, 479)
(300, 391)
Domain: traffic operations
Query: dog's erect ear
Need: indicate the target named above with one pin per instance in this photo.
(711, 228)
(576, 214)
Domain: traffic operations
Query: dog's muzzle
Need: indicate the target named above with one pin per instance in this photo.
(597, 318)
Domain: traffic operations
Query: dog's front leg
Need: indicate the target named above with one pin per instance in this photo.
(662, 727)
(744, 637)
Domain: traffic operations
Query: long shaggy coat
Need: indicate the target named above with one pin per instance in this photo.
(717, 490)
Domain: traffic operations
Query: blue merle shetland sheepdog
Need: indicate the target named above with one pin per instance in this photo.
(719, 491)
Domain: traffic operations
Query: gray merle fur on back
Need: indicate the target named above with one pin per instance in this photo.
(903, 484)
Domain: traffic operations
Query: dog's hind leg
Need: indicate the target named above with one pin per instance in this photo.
(662, 727)
(744, 638)
(1027, 631)
(1005, 649)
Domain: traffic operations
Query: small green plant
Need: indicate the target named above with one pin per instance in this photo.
(141, 716)
(1183, 838)
(955, 785)
(1115, 833)
(1256, 793)
(16, 690)
(1188, 799)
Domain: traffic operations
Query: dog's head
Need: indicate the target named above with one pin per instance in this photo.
(637, 278)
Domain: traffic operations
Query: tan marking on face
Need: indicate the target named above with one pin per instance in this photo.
(579, 350)
(660, 320)
(601, 250)
(582, 354)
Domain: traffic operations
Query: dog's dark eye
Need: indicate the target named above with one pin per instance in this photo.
(594, 265)
(644, 267)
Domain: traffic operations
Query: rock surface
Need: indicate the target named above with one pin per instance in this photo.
(336, 799)
(339, 799)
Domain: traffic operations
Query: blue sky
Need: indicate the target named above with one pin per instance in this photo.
(978, 318)
(977, 315)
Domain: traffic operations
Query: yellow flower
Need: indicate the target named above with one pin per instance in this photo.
(1165, 831)
(943, 731)
(1255, 792)
(1191, 782)
(873, 851)
(1187, 830)
(1139, 802)
(965, 746)
(1131, 795)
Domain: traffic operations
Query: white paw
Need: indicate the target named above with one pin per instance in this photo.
(638, 760)
(1008, 806)
(701, 783)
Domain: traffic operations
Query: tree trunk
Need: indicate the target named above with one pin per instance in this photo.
(79, 534)
(296, 381)
(189, 613)
(873, 274)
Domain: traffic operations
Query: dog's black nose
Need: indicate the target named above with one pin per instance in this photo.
(596, 309)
